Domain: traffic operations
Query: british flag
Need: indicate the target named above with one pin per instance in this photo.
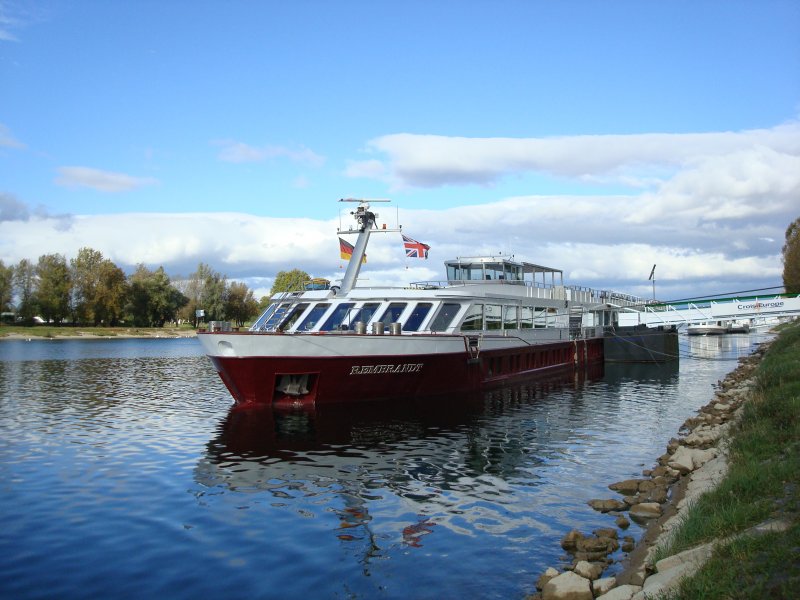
(415, 249)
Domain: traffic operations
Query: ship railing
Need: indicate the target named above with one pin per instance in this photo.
(432, 285)
(587, 294)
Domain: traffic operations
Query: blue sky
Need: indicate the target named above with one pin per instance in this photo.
(600, 138)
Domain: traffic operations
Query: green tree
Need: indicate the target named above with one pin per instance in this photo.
(112, 293)
(205, 290)
(152, 299)
(289, 281)
(85, 269)
(213, 298)
(171, 308)
(25, 286)
(791, 258)
(6, 287)
(54, 287)
(240, 304)
(139, 296)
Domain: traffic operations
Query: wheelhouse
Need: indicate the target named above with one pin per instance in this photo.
(500, 268)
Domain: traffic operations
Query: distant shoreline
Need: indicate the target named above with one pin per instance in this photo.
(95, 334)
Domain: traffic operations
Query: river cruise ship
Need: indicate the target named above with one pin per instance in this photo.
(492, 320)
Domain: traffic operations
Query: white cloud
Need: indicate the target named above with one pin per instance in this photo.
(103, 181)
(239, 152)
(579, 235)
(751, 183)
(432, 160)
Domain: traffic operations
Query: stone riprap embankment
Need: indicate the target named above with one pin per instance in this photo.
(692, 465)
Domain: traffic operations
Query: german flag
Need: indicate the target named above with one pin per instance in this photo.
(346, 251)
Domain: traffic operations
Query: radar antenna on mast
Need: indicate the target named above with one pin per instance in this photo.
(365, 219)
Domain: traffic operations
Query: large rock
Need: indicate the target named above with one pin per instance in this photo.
(587, 570)
(696, 557)
(646, 485)
(603, 586)
(570, 540)
(664, 582)
(627, 488)
(607, 505)
(646, 510)
(568, 586)
(703, 437)
(672, 569)
(549, 574)
(682, 460)
(597, 544)
(622, 592)
(686, 459)
(664, 475)
(608, 532)
(658, 494)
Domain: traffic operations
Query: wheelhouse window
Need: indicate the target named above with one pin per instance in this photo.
(392, 314)
(338, 318)
(365, 313)
(493, 316)
(313, 317)
(444, 318)
(473, 321)
(266, 319)
(417, 316)
(292, 317)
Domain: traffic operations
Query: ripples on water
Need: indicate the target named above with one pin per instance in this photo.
(124, 473)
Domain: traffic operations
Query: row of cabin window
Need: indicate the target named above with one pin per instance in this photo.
(497, 316)
(345, 314)
(478, 317)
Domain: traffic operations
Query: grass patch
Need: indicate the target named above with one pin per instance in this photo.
(763, 482)
(765, 567)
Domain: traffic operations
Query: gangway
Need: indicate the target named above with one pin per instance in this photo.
(755, 309)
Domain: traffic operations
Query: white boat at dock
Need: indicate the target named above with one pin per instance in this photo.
(707, 328)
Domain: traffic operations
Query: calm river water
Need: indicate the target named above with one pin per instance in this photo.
(124, 473)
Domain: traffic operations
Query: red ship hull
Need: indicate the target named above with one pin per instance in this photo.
(260, 380)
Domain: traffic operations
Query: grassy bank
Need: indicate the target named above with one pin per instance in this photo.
(763, 483)
(66, 331)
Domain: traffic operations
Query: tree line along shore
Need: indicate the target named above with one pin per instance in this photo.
(91, 290)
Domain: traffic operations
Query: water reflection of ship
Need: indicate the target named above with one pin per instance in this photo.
(259, 437)
(731, 345)
(444, 452)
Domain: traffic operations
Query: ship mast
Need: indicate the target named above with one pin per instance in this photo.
(365, 219)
